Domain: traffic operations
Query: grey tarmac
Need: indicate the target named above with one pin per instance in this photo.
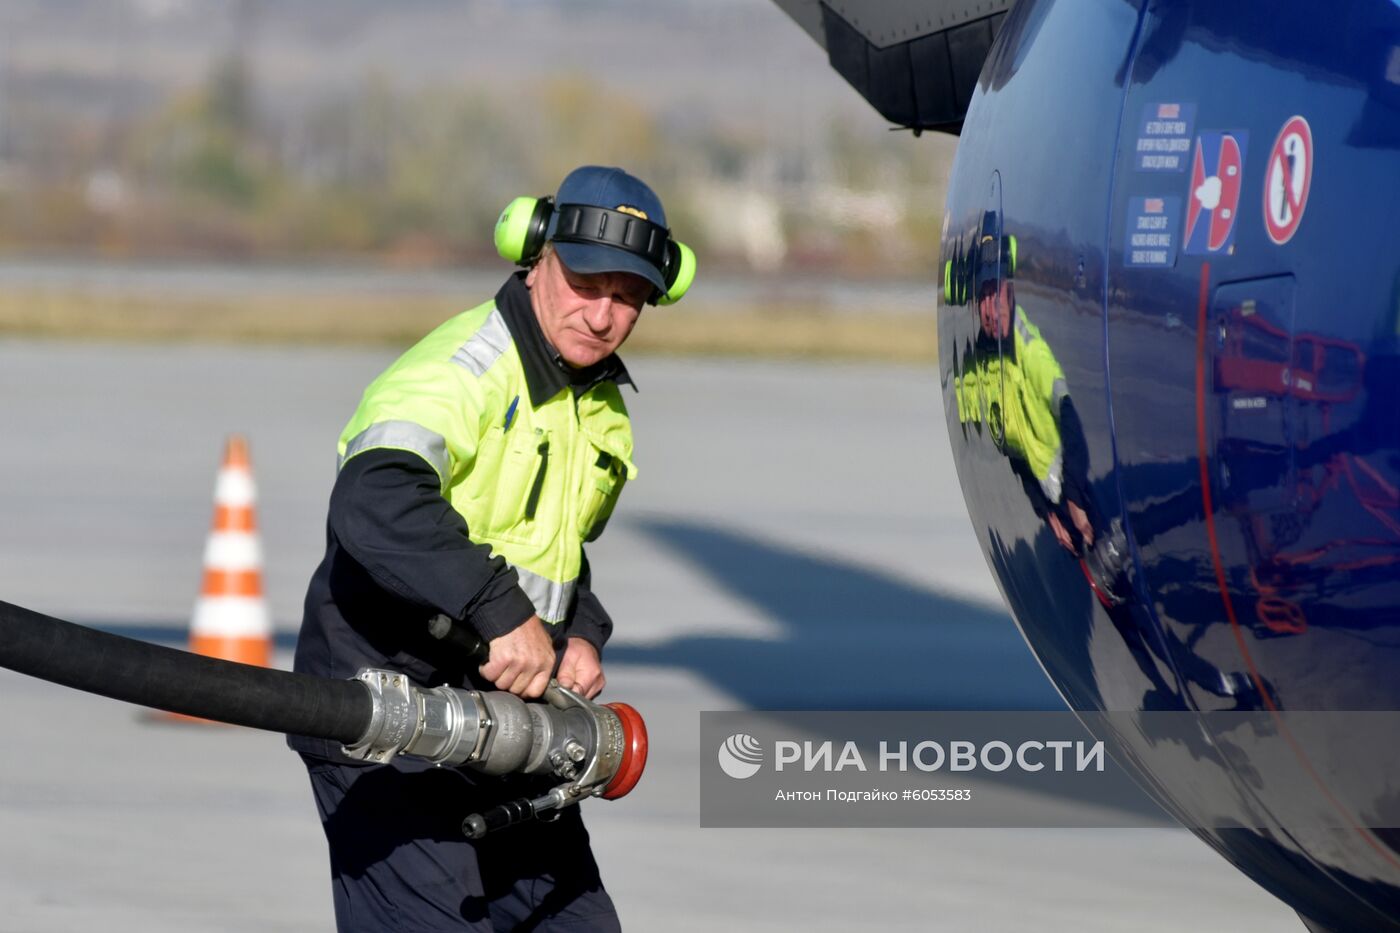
(796, 539)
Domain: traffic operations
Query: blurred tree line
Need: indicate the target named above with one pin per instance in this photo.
(418, 175)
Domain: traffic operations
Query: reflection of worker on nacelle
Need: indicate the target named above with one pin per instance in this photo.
(1011, 382)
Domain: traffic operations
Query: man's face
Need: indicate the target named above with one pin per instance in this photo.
(585, 317)
(994, 309)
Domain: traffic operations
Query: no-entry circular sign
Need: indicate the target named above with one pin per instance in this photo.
(1287, 179)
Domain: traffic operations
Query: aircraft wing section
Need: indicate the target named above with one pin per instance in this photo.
(915, 61)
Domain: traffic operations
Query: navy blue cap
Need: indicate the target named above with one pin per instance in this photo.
(612, 188)
(993, 261)
(990, 266)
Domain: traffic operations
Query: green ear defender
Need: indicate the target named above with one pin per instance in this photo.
(967, 274)
(1009, 255)
(678, 273)
(521, 227)
(953, 275)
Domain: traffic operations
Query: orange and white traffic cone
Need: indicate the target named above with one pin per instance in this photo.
(231, 619)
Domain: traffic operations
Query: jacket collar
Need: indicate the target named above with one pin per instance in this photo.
(546, 373)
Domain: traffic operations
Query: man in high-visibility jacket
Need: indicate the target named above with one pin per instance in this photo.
(470, 476)
(1012, 383)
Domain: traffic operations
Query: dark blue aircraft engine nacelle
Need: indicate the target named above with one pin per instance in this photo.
(1170, 347)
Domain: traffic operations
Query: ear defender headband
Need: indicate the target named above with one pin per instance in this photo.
(520, 236)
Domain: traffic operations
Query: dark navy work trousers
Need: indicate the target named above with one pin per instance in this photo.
(399, 860)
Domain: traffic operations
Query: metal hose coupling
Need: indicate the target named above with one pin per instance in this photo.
(596, 750)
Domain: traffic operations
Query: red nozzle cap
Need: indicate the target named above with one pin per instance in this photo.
(634, 752)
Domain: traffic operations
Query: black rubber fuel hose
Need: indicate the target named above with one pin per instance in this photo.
(179, 682)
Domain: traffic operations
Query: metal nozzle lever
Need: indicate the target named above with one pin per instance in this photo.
(449, 631)
(523, 810)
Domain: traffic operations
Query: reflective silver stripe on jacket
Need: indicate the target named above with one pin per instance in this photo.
(1053, 481)
(402, 435)
(1021, 327)
(485, 346)
(551, 598)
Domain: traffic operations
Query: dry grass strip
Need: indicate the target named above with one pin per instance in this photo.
(381, 319)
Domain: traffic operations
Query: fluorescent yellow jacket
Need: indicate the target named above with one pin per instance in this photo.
(534, 478)
(1018, 395)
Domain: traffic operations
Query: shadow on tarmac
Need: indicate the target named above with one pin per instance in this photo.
(857, 638)
(853, 637)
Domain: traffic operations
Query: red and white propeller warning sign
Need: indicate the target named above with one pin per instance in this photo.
(1287, 179)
